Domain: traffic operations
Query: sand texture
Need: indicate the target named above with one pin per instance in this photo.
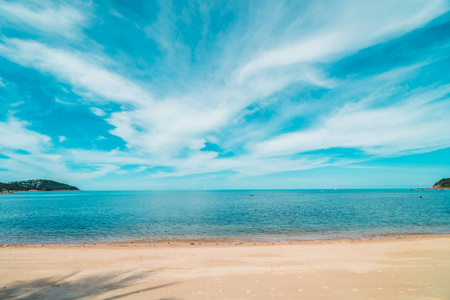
(409, 268)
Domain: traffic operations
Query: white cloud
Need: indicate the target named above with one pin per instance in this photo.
(41, 165)
(16, 104)
(62, 138)
(116, 13)
(352, 26)
(98, 112)
(197, 163)
(168, 127)
(15, 135)
(82, 71)
(43, 16)
(246, 165)
(388, 130)
(140, 169)
(117, 157)
(62, 101)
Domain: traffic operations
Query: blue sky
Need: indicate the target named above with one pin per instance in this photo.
(225, 94)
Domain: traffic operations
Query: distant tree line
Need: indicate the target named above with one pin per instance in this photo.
(445, 182)
(36, 184)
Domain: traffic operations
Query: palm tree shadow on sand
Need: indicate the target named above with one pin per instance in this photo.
(66, 287)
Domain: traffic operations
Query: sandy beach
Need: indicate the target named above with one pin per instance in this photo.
(391, 268)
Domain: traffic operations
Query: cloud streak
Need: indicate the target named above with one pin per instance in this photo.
(15, 136)
(82, 71)
(43, 16)
(390, 130)
(351, 27)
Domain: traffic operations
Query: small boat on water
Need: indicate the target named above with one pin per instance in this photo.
(417, 189)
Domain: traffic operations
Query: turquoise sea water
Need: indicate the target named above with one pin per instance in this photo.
(268, 215)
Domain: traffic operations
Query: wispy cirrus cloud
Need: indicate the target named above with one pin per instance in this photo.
(388, 130)
(14, 135)
(85, 73)
(45, 16)
(350, 27)
(97, 111)
(2, 83)
(27, 153)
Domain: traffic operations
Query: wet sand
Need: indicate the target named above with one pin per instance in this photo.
(391, 268)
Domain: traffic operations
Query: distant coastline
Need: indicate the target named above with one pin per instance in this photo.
(443, 184)
(35, 185)
(27, 191)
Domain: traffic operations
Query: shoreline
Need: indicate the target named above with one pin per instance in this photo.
(391, 268)
(14, 192)
(190, 243)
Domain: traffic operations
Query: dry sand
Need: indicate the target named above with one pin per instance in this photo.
(407, 268)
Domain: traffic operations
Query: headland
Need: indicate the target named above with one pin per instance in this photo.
(35, 185)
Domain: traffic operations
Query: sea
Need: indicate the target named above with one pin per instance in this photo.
(89, 217)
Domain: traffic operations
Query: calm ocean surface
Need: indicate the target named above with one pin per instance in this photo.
(268, 215)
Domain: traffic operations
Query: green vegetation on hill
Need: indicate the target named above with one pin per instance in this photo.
(36, 185)
(443, 183)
